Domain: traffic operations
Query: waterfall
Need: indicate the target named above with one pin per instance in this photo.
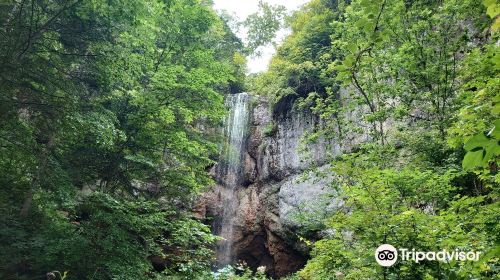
(229, 170)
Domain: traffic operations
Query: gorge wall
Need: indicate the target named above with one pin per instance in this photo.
(278, 194)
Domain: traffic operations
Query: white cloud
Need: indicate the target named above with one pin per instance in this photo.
(242, 9)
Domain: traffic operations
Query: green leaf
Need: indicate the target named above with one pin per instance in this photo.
(492, 150)
(496, 130)
(496, 109)
(495, 26)
(352, 47)
(473, 159)
(348, 61)
(493, 10)
(362, 22)
(477, 141)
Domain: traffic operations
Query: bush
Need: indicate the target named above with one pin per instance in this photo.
(270, 129)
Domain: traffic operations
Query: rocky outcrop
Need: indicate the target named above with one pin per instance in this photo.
(305, 199)
(276, 143)
(279, 193)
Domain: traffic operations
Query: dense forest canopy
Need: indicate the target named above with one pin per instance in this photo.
(108, 128)
(103, 109)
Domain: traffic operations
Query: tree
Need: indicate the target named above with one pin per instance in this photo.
(264, 25)
(104, 109)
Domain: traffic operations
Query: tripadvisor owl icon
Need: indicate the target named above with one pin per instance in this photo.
(386, 255)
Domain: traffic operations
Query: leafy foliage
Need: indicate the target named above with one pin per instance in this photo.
(410, 89)
(263, 25)
(103, 115)
(482, 149)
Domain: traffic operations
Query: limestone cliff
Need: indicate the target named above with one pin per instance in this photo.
(279, 194)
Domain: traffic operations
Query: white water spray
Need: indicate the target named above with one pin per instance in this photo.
(229, 171)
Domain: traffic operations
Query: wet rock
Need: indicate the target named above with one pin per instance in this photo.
(249, 170)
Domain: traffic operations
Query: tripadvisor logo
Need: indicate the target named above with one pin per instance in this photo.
(386, 255)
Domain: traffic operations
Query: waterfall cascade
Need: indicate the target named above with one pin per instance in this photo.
(229, 170)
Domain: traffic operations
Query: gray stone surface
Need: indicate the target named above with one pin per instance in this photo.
(305, 200)
(284, 152)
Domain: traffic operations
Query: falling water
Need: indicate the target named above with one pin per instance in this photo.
(230, 169)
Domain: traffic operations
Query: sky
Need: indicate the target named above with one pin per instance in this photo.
(242, 9)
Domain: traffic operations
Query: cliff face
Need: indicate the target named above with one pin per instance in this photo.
(279, 195)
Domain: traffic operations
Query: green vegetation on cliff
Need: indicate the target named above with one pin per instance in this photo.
(420, 79)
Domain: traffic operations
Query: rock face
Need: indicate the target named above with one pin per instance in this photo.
(279, 194)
